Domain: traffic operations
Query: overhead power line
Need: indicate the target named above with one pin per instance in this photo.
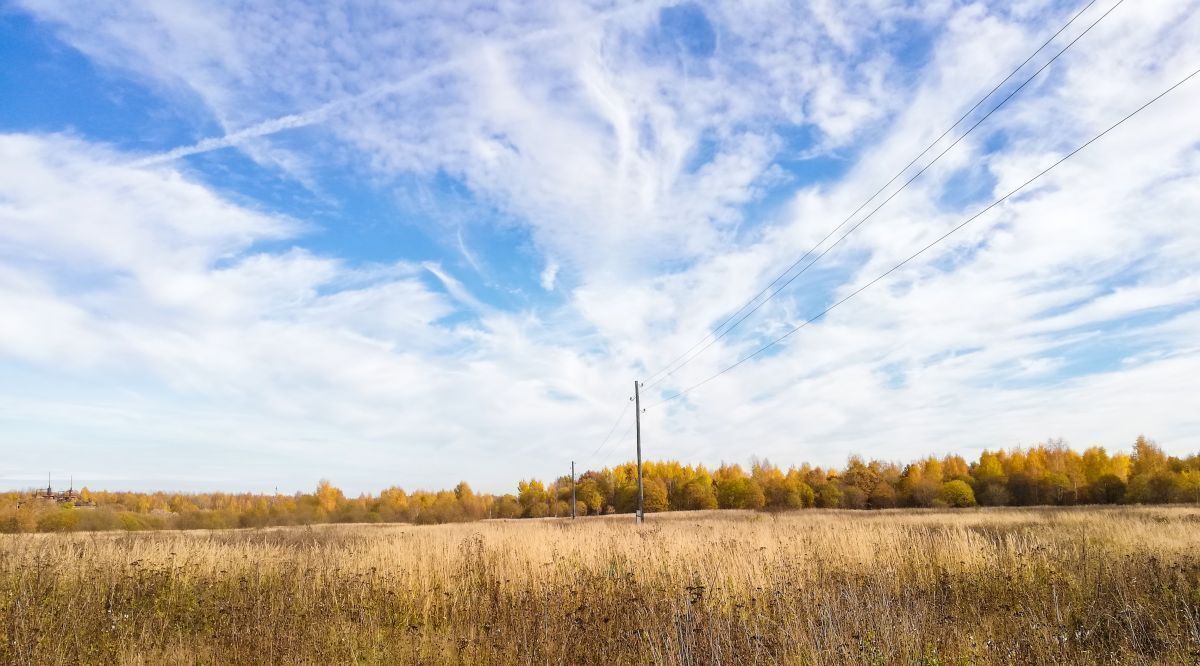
(941, 238)
(620, 417)
(717, 334)
(613, 429)
(623, 438)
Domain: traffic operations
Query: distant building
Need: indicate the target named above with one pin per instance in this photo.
(47, 494)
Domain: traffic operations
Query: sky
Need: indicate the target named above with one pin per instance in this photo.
(247, 246)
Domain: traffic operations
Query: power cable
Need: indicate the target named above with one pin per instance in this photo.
(622, 438)
(930, 245)
(718, 336)
(611, 430)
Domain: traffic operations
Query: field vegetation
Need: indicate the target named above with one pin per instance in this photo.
(903, 586)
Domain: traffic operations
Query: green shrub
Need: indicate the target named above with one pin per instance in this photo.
(96, 520)
(957, 494)
(60, 520)
(829, 496)
(131, 522)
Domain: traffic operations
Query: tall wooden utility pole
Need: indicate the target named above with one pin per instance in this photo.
(572, 490)
(637, 412)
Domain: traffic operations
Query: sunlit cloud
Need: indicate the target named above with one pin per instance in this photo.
(439, 243)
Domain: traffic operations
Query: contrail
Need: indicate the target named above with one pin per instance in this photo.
(303, 119)
(336, 107)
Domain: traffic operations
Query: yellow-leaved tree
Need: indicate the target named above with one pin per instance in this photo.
(328, 496)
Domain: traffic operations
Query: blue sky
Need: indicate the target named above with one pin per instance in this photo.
(408, 245)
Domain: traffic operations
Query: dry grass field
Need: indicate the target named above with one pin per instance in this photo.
(1007, 586)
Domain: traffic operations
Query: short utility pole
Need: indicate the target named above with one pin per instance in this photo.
(637, 411)
(572, 490)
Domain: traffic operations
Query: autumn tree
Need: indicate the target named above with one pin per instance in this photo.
(882, 496)
(739, 493)
(1047, 473)
(328, 496)
(654, 497)
(860, 477)
(507, 507)
(588, 494)
(1108, 489)
(699, 494)
(829, 495)
(533, 498)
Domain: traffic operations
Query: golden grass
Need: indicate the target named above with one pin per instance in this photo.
(1071, 586)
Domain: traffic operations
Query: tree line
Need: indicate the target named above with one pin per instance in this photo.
(1046, 474)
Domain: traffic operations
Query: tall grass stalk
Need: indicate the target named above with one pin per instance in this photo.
(1000, 586)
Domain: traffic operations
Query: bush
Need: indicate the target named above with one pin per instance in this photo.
(17, 521)
(207, 520)
(97, 520)
(923, 494)
(829, 496)
(854, 498)
(131, 522)
(60, 520)
(957, 494)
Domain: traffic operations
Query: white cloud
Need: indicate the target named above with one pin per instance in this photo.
(174, 316)
(325, 361)
(549, 275)
(523, 105)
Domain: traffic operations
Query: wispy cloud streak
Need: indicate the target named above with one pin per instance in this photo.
(340, 107)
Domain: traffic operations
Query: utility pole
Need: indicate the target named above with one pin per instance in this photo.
(572, 490)
(637, 415)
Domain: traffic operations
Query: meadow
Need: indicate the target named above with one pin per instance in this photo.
(977, 586)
